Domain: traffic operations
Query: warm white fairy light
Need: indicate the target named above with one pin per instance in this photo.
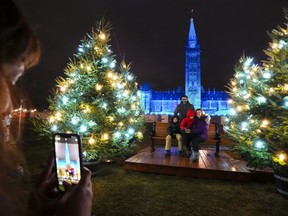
(58, 116)
(239, 108)
(98, 87)
(133, 106)
(265, 123)
(91, 141)
(281, 157)
(51, 119)
(105, 136)
(274, 45)
(102, 36)
(110, 118)
(63, 88)
(229, 101)
(139, 134)
(88, 68)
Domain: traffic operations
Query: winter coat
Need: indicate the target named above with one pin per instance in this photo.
(187, 121)
(182, 109)
(200, 128)
(174, 128)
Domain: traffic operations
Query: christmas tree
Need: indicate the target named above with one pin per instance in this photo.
(96, 101)
(258, 120)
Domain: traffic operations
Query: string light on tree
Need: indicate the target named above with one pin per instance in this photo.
(258, 120)
(95, 99)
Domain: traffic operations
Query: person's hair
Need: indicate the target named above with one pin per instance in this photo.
(184, 96)
(18, 41)
(199, 109)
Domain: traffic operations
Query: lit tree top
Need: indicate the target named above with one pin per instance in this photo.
(258, 121)
(96, 101)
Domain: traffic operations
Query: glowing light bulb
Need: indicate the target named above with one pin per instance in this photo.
(130, 77)
(102, 36)
(265, 123)
(104, 60)
(131, 131)
(117, 134)
(51, 119)
(139, 135)
(63, 88)
(98, 87)
(281, 157)
(75, 120)
(54, 128)
(267, 75)
(64, 99)
(105, 136)
(259, 144)
(58, 116)
(83, 128)
(91, 141)
(80, 49)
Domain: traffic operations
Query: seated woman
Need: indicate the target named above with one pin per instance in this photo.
(198, 133)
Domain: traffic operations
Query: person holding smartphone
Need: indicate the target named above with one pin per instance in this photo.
(20, 50)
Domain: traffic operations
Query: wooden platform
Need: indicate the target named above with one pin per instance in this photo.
(221, 167)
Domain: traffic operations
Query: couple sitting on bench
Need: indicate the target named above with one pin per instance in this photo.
(194, 127)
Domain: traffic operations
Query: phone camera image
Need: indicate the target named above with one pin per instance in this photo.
(68, 161)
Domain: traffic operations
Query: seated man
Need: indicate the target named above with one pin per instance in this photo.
(173, 132)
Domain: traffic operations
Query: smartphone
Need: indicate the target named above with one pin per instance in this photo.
(68, 158)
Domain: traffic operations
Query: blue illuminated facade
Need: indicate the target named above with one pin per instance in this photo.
(164, 102)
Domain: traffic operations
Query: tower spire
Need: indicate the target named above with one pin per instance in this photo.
(192, 38)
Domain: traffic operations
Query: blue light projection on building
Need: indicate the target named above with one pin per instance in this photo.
(164, 102)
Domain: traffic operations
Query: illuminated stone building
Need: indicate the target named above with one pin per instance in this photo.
(164, 102)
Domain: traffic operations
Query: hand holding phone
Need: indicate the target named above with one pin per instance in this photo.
(68, 158)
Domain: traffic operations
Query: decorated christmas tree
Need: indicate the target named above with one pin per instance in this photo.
(96, 101)
(258, 121)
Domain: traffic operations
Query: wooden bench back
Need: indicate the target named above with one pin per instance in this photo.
(159, 132)
(160, 129)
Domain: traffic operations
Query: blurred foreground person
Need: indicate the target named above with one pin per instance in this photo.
(20, 50)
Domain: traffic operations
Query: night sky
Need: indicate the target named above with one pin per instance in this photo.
(151, 34)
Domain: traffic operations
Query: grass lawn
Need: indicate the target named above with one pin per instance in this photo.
(118, 192)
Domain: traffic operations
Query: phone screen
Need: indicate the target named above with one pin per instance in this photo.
(68, 158)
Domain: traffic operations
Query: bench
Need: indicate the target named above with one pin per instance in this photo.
(159, 132)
